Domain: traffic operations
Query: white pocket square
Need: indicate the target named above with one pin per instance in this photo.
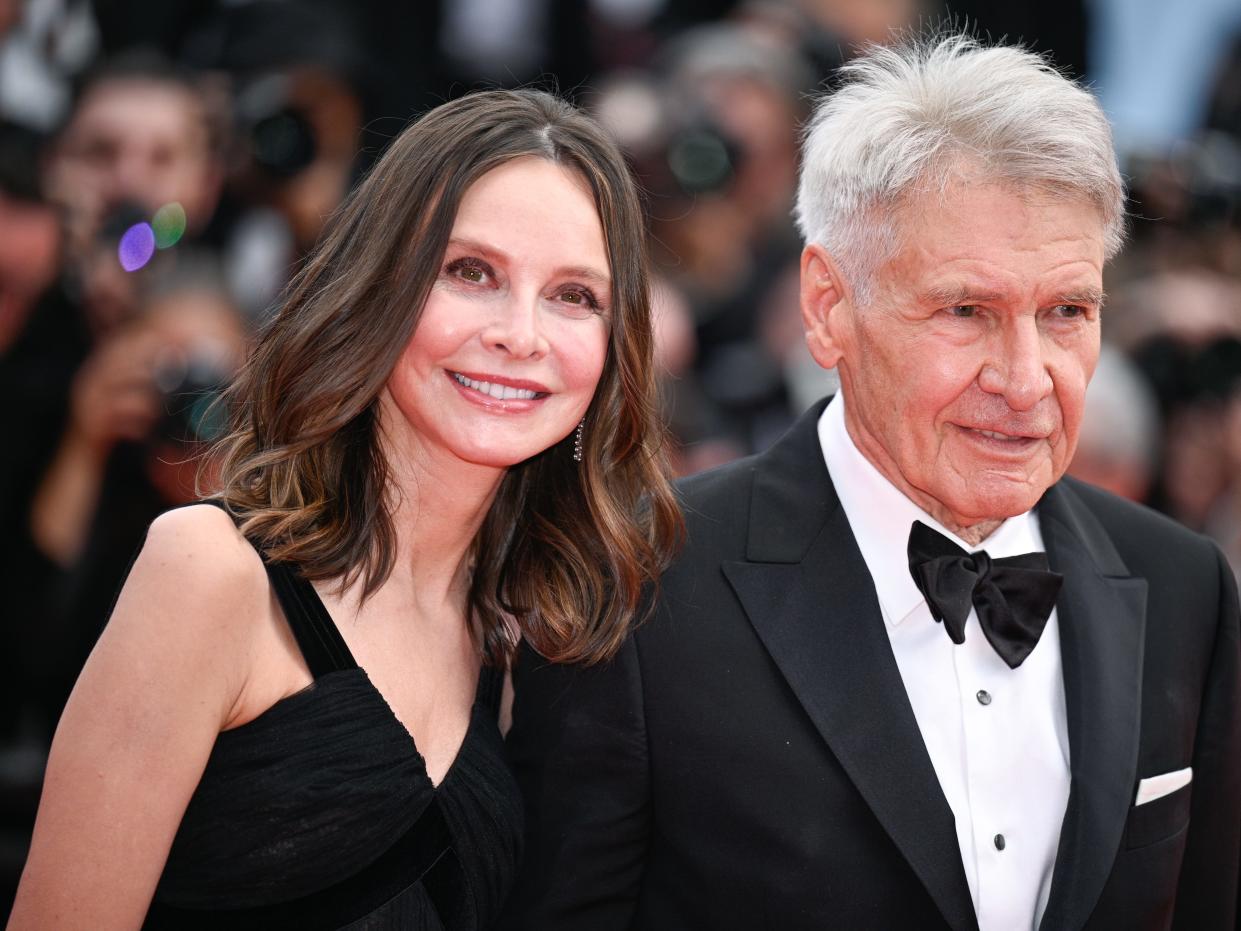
(1153, 787)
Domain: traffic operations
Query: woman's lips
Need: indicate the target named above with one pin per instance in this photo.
(499, 392)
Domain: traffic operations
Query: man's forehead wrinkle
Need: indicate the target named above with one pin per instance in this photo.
(939, 191)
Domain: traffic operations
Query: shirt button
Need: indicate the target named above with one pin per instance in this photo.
(984, 697)
(999, 842)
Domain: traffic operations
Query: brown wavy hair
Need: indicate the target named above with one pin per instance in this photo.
(567, 548)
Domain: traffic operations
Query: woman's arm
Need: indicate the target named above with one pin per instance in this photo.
(162, 682)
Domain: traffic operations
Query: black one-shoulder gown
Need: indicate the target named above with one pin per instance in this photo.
(319, 813)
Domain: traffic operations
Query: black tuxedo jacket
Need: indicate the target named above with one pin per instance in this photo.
(750, 760)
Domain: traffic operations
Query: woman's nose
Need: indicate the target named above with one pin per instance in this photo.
(517, 329)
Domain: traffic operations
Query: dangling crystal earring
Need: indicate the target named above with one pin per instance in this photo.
(577, 441)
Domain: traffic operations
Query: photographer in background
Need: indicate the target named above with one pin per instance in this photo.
(299, 84)
(712, 134)
(142, 134)
(139, 139)
(76, 373)
(139, 410)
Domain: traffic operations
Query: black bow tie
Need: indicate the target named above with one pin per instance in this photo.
(1013, 596)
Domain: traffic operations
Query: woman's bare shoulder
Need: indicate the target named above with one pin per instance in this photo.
(196, 583)
(164, 678)
(199, 546)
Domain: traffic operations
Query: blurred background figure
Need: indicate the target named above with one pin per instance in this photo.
(137, 142)
(29, 262)
(139, 414)
(44, 46)
(139, 138)
(712, 129)
(225, 132)
(1152, 108)
(297, 89)
(29, 233)
(1118, 447)
(1223, 521)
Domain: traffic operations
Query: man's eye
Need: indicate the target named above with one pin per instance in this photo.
(1069, 310)
(963, 310)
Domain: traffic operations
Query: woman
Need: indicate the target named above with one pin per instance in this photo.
(440, 444)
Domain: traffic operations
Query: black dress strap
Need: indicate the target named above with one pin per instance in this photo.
(317, 635)
(490, 687)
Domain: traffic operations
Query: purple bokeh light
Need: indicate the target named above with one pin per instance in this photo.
(137, 246)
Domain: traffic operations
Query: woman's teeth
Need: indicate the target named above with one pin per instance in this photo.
(499, 392)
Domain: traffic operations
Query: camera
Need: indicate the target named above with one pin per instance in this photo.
(190, 387)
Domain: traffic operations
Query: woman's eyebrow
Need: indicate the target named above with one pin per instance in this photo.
(588, 273)
(475, 245)
(591, 275)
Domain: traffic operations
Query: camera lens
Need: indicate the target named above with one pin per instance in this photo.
(700, 161)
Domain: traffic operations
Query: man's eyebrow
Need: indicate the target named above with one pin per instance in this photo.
(957, 295)
(1090, 296)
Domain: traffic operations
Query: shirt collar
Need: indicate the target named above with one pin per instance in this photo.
(880, 516)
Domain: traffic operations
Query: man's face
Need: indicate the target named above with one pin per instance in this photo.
(965, 376)
(133, 140)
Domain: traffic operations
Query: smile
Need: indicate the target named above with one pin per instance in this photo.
(496, 390)
(997, 441)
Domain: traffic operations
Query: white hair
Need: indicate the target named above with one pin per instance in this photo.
(910, 119)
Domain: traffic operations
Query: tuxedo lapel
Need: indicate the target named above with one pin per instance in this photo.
(1102, 617)
(806, 589)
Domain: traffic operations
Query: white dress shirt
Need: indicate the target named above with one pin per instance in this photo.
(996, 736)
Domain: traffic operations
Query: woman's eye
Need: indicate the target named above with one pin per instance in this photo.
(474, 271)
(579, 297)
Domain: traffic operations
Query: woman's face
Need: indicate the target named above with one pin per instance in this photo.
(513, 336)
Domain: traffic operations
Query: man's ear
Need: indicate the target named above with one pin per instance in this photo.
(823, 297)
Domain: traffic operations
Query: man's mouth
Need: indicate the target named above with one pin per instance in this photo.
(1000, 438)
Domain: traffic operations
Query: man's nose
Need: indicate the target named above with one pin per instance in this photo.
(517, 328)
(132, 173)
(132, 165)
(1017, 367)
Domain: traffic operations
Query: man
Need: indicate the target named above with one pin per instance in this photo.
(141, 136)
(842, 714)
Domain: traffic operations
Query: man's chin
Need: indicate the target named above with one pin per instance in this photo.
(996, 497)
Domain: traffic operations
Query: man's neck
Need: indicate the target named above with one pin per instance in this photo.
(974, 534)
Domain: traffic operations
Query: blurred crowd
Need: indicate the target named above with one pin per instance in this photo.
(164, 168)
